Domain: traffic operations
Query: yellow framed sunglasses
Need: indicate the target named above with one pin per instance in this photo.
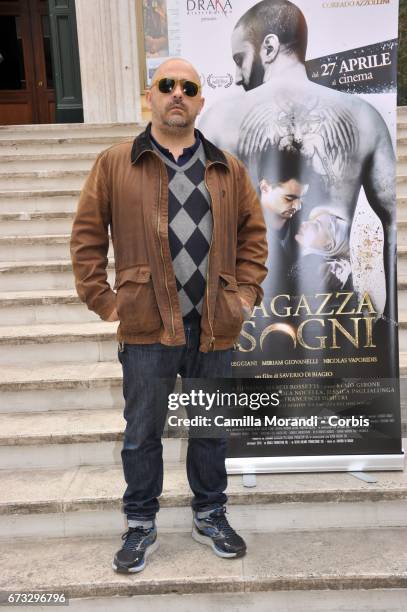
(167, 85)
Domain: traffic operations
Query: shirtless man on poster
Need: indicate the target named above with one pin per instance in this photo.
(343, 137)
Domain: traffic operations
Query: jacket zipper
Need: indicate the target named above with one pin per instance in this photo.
(162, 255)
(212, 340)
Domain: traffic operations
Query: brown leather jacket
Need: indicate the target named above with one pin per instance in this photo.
(127, 189)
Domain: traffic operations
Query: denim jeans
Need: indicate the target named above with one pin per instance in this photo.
(149, 375)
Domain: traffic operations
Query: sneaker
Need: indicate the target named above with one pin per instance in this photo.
(139, 544)
(214, 530)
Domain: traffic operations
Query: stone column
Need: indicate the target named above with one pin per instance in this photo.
(109, 62)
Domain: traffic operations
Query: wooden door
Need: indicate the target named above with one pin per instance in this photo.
(27, 92)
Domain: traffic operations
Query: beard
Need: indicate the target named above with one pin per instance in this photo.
(256, 77)
(177, 121)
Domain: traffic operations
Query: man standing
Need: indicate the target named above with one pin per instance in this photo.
(189, 241)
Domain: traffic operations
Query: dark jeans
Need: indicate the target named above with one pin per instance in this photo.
(149, 375)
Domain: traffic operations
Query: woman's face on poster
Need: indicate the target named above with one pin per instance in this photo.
(316, 233)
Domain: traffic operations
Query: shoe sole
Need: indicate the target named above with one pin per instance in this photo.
(198, 537)
(123, 569)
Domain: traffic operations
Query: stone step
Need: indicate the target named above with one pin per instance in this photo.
(91, 437)
(61, 439)
(41, 275)
(60, 427)
(402, 292)
(29, 246)
(50, 221)
(402, 260)
(58, 343)
(51, 131)
(38, 200)
(93, 385)
(71, 415)
(47, 161)
(401, 232)
(87, 500)
(46, 275)
(79, 342)
(88, 386)
(401, 182)
(62, 161)
(66, 200)
(75, 178)
(402, 146)
(402, 330)
(64, 306)
(362, 600)
(36, 223)
(51, 201)
(401, 209)
(32, 307)
(402, 160)
(325, 561)
(82, 342)
(18, 225)
(41, 247)
(45, 179)
(40, 145)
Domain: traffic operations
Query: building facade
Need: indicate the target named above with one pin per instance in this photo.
(66, 61)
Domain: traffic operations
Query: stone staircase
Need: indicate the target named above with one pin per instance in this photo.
(316, 541)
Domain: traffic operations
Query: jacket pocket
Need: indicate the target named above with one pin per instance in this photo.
(136, 303)
(228, 317)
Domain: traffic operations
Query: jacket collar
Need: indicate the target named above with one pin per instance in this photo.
(143, 143)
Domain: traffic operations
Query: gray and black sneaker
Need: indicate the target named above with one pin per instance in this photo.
(212, 528)
(139, 543)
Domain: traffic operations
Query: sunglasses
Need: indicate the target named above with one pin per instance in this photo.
(166, 85)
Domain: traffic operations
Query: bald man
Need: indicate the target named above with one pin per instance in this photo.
(190, 247)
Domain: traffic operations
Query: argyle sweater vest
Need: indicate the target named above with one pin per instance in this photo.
(189, 229)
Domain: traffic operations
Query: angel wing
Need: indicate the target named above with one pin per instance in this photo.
(258, 130)
(339, 133)
(329, 131)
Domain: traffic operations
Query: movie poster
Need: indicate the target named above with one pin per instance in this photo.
(304, 93)
(162, 39)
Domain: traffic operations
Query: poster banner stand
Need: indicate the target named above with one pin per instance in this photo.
(304, 94)
(316, 463)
